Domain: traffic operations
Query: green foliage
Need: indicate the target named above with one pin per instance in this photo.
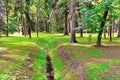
(60, 2)
(92, 16)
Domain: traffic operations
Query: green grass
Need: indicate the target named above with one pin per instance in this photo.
(19, 46)
(96, 70)
(95, 52)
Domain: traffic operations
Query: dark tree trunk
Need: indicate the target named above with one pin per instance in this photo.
(7, 32)
(73, 36)
(24, 28)
(79, 15)
(29, 30)
(27, 13)
(81, 32)
(99, 37)
(113, 23)
(66, 24)
(37, 26)
(111, 31)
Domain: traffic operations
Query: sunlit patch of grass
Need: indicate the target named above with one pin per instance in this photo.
(40, 66)
(96, 70)
(58, 65)
(95, 52)
(115, 61)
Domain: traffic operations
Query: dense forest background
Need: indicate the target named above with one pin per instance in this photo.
(61, 16)
(59, 39)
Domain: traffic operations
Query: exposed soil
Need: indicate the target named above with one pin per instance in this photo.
(49, 68)
(73, 66)
(3, 52)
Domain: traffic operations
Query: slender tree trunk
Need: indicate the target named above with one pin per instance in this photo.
(72, 21)
(28, 17)
(81, 32)
(99, 37)
(37, 26)
(113, 23)
(66, 22)
(7, 17)
(79, 15)
(111, 31)
(50, 24)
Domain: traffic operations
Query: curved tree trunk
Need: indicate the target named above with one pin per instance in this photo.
(99, 37)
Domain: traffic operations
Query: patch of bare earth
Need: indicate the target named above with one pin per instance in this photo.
(74, 67)
(3, 52)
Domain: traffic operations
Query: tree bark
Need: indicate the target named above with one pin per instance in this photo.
(81, 32)
(7, 18)
(99, 37)
(72, 22)
(27, 13)
(110, 31)
(37, 26)
(66, 24)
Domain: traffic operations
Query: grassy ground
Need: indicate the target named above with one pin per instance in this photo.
(70, 61)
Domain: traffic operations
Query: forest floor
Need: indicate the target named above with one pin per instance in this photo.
(22, 58)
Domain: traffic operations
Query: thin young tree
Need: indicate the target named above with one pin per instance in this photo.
(99, 37)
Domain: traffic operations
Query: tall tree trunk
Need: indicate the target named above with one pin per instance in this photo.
(37, 26)
(113, 23)
(99, 37)
(7, 18)
(28, 17)
(119, 29)
(79, 15)
(72, 22)
(111, 31)
(66, 21)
